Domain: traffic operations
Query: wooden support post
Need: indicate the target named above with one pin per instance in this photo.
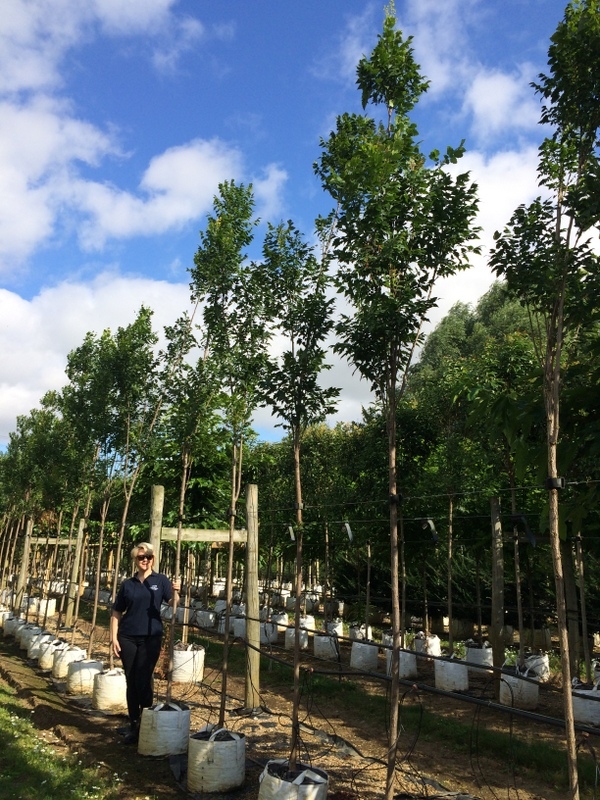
(252, 617)
(157, 504)
(497, 626)
(74, 582)
(24, 571)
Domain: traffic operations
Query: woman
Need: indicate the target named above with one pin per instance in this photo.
(136, 631)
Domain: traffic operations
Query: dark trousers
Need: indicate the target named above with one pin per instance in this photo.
(139, 655)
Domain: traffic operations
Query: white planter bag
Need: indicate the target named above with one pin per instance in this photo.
(308, 784)
(407, 664)
(290, 638)
(26, 634)
(281, 620)
(364, 656)
(64, 657)
(164, 730)
(81, 674)
(268, 632)
(12, 625)
(47, 650)
(48, 607)
(451, 675)
(110, 692)
(360, 632)
(325, 646)
(33, 652)
(540, 665)
(188, 665)
(335, 626)
(586, 705)
(216, 761)
(514, 691)
(482, 656)
(429, 645)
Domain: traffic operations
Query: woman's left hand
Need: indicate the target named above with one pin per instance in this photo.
(176, 585)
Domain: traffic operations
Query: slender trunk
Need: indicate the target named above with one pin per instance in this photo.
(450, 557)
(185, 472)
(103, 515)
(513, 501)
(551, 398)
(584, 626)
(396, 623)
(297, 608)
(236, 469)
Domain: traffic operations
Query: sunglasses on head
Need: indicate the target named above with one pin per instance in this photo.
(144, 558)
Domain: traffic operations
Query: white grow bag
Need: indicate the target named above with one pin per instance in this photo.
(326, 646)
(360, 633)
(308, 784)
(47, 607)
(64, 657)
(335, 626)
(429, 645)
(451, 675)
(586, 705)
(290, 638)
(47, 650)
(110, 692)
(281, 620)
(364, 656)
(26, 634)
(188, 664)
(34, 649)
(81, 674)
(517, 692)
(164, 730)
(12, 625)
(482, 656)
(216, 761)
(407, 664)
(268, 632)
(540, 665)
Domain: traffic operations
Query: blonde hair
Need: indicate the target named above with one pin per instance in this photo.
(145, 546)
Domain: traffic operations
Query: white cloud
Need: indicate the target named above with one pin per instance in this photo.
(178, 186)
(36, 335)
(505, 181)
(268, 191)
(39, 145)
(440, 43)
(355, 41)
(500, 102)
(35, 35)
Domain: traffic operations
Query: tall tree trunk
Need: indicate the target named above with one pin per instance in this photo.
(396, 623)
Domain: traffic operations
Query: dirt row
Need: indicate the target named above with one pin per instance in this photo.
(350, 747)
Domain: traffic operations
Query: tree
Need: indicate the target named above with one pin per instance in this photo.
(401, 222)
(546, 256)
(232, 294)
(300, 313)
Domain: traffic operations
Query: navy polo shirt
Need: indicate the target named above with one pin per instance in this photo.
(140, 602)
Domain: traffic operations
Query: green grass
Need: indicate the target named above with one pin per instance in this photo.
(31, 770)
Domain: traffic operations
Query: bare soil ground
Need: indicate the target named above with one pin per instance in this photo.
(342, 738)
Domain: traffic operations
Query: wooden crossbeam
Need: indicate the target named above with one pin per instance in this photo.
(203, 535)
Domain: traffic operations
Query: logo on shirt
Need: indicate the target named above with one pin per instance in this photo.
(154, 587)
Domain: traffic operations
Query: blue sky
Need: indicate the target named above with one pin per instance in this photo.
(119, 119)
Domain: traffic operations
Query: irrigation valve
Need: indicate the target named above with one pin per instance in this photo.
(555, 483)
